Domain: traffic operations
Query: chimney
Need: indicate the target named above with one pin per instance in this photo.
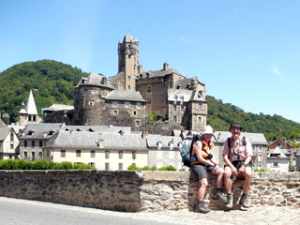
(104, 80)
(101, 143)
(166, 66)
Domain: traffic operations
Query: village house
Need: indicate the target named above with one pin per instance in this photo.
(277, 161)
(9, 143)
(33, 139)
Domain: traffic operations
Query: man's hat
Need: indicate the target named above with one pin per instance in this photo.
(235, 124)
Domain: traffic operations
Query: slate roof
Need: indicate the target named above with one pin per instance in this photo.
(30, 106)
(134, 96)
(159, 73)
(59, 107)
(38, 130)
(17, 128)
(90, 140)
(186, 83)
(95, 79)
(154, 140)
(184, 95)
(114, 78)
(254, 138)
(277, 150)
(4, 131)
(129, 38)
(109, 128)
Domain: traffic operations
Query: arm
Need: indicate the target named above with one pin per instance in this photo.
(249, 156)
(198, 149)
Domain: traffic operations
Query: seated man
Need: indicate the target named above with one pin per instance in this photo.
(201, 162)
(237, 154)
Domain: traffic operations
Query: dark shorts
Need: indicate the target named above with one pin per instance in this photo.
(200, 170)
(237, 164)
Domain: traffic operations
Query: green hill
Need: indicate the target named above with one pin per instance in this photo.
(53, 82)
(220, 116)
(50, 81)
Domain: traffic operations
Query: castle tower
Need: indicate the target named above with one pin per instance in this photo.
(29, 114)
(128, 54)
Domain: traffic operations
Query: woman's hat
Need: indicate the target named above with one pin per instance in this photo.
(208, 130)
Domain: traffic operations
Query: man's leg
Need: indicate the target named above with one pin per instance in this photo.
(219, 182)
(228, 186)
(246, 185)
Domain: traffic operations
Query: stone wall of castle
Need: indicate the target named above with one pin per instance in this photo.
(135, 191)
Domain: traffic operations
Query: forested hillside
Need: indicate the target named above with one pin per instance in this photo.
(53, 82)
(220, 116)
(50, 81)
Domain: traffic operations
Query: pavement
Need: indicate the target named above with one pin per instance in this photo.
(268, 215)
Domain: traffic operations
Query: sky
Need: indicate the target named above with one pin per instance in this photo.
(247, 52)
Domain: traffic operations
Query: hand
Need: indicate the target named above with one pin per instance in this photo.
(242, 169)
(216, 169)
(234, 171)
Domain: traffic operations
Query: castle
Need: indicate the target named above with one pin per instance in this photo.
(128, 98)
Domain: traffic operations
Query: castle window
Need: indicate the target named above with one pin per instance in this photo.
(138, 105)
(126, 104)
(128, 87)
(81, 90)
(91, 103)
(85, 121)
(134, 113)
(174, 119)
(128, 77)
(148, 101)
(115, 103)
(200, 106)
(115, 112)
(120, 86)
(149, 89)
(199, 119)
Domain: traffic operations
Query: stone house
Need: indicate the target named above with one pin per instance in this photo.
(9, 143)
(277, 161)
(105, 150)
(58, 113)
(33, 139)
(29, 114)
(164, 151)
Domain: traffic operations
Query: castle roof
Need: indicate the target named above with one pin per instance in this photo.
(187, 83)
(183, 95)
(59, 107)
(117, 76)
(134, 96)
(90, 140)
(95, 79)
(129, 38)
(31, 107)
(160, 73)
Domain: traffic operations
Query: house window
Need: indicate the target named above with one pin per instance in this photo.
(259, 158)
(120, 154)
(138, 105)
(199, 119)
(107, 166)
(259, 149)
(275, 164)
(33, 144)
(120, 166)
(62, 153)
(11, 136)
(93, 154)
(41, 143)
(259, 167)
(11, 146)
(25, 155)
(115, 103)
(25, 143)
(149, 89)
(133, 155)
(200, 106)
(174, 119)
(107, 154)
(182, 109)
(40, 155)
(78, 153)
(126, 104)
(33, 156)
(175, 108)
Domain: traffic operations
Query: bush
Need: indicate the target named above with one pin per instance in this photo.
(133, 167)
(159, 116)
(40, 164)
(151, 117)
(168, 168)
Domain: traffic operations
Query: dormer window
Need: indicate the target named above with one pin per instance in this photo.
(51, 132)
(30, 132)
(78, 129)
(159, 144)
(90, 130)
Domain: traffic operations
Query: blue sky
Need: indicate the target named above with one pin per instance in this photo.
(247, 52)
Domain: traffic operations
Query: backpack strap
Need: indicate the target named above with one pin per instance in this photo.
(229, 146)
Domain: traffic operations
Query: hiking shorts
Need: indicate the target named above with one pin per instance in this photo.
(237, 164)
(200, 170)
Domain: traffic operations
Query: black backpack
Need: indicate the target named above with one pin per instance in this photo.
(187, 147)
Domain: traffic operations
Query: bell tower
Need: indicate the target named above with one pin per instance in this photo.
(128, 55)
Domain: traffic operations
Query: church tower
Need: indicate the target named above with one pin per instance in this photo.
(128, 54)
(30, 113)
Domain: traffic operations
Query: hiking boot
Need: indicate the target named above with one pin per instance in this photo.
(244, 201)
(219, 194)
(202, 208)
(229, 203)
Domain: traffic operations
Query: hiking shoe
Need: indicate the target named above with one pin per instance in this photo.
(229, 203)
(219, 194)
(244, 201)
(202, 208)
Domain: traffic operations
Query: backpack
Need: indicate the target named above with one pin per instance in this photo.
(187, 147)
(252, 162)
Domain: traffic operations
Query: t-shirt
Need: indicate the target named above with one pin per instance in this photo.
(238, 148)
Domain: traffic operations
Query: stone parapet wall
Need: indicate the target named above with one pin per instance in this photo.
(135, 191)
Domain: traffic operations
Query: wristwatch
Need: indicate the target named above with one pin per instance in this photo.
(246, 165)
